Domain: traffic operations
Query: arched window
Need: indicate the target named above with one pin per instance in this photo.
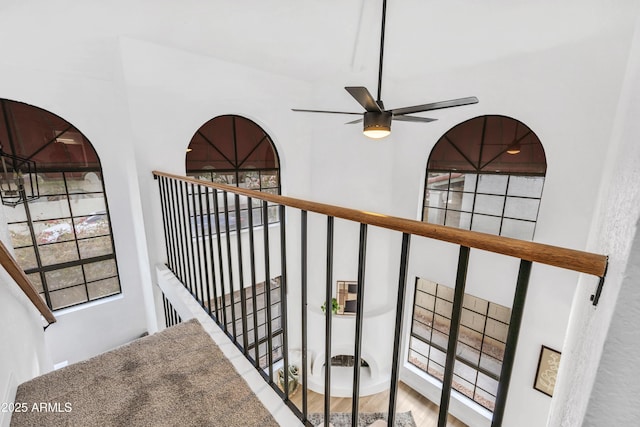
(236, 151)
(486, 174)
(62, 237)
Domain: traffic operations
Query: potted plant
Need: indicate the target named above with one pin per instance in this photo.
(292, 379)
(334, 306)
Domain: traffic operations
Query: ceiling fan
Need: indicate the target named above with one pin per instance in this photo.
(377, 120)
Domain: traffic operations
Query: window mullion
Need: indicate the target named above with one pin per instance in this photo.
(504, 204)
(73, 230)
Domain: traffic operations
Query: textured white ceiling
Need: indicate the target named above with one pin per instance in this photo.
(313, 40)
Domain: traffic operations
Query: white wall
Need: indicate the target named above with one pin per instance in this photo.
(87, 94)
(602, 344)
(23, 353)
(171, 93)
(562, 94)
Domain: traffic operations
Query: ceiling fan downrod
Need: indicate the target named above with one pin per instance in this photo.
(384, 19)
(377, 120)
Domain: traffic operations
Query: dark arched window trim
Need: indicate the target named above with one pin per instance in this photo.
(459, 192)
(69, 257)
(234, 150)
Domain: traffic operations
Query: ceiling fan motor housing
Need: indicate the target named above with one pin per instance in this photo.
(374, 120)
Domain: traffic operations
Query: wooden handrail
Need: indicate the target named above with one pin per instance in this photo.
(583, 262)
(10, 264)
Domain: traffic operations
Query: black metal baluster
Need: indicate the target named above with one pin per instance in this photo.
(303, 284)
(456, 313)
(213, 263)
(254, 296)
(223, 298)
(172, 225)
(395, 365)
(166, 311)
(174, 315)
(357, 352)
(243, 297)
(267, 288)
(189, 235)
(512, 342)
(166, 206)
(230, 266)
(205, 277)
(169, 314)
(165, 224)
(192, 257)
(185, 243)
(180, 272)
(327, 314)
(283, 299)
(196, 223)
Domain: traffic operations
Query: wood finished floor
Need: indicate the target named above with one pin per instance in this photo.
(425, 412)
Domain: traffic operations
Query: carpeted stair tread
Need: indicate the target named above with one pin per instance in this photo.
(177, 377)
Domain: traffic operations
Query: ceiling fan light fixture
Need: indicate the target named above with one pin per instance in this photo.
(377, 124)
(377, 120)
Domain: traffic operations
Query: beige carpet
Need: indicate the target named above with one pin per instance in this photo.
(177, 377)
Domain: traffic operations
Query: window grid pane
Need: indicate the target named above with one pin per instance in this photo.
(501, 204)
(481, 340)
(71, 231)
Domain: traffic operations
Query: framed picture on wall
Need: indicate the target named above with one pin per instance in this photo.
(547, 371)
(347, 297)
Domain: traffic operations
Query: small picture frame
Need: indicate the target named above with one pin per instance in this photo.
(547, 371)
(347, 297)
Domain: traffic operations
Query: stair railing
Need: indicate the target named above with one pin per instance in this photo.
(17, 274)
(197, 223)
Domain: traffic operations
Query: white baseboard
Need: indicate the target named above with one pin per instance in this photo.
(60, 365)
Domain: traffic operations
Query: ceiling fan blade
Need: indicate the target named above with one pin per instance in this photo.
(323, 111)
(413, 119)
(353, 121)
(364, 98)
(435, 106)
